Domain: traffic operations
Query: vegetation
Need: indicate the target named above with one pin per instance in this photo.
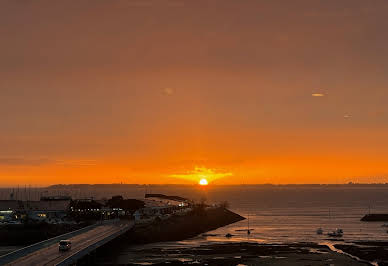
(128, 205)
(224, 204)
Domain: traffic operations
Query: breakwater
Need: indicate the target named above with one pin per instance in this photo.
(183, 227)
(375, 218)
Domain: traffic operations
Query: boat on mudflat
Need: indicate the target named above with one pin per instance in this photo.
(336, 233)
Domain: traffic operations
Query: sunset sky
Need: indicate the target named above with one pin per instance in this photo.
(166, 91)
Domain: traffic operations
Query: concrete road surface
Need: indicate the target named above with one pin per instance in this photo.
(52, 256)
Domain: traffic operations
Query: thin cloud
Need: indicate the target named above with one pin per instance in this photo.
(76, 162)
(20, 161)
(168, 91)
(318, 94)
(202, 173)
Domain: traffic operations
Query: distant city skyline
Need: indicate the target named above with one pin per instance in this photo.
(242, 92)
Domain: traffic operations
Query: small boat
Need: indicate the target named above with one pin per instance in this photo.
(319, 231)
(336, 233)
(228, 235)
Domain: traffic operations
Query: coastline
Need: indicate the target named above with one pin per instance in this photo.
(153, 243)
(161, 243)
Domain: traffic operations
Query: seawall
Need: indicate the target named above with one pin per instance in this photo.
(183, 227)
(375, 218)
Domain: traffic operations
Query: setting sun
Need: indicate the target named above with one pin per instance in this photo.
(205, 175)
(203, 182)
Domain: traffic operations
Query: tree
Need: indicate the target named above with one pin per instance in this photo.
(128, 205)
(224, 204)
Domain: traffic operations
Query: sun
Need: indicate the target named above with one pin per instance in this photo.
(203, 182)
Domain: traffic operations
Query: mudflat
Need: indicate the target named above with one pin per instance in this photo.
(232, 254)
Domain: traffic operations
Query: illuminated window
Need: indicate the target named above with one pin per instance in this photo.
(42, 215)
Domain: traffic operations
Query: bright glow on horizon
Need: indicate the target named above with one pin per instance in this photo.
(203, 182)
(202, 173)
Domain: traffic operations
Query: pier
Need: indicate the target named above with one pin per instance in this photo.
(84, 241)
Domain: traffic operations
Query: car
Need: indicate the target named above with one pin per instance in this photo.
(64, 245)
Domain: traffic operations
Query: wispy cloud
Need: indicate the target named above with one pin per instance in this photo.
(168, 91)
(76, 162)
(20, 161)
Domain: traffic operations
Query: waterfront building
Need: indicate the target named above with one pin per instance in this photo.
(50, 211)
(10, 210)
(46, 210)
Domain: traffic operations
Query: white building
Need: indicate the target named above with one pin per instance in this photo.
(159, 208)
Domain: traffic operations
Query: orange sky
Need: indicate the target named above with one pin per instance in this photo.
(164, 91)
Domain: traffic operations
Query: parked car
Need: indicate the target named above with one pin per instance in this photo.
(64, 245)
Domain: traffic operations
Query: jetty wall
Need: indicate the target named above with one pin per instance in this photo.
(182, 227)
(375, 218)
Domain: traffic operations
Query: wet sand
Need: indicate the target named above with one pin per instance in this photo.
(231, 254)
(376, 251)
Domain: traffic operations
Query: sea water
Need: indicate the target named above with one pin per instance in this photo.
(279, 214)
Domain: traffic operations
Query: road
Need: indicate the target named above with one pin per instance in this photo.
(52, 256)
